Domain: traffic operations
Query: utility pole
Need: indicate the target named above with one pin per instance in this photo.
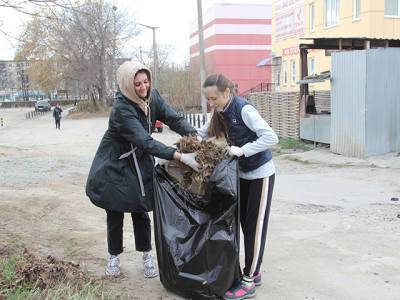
(114, 77)
(155, 60)
(155, 56)
(202, 60)
(140, 54)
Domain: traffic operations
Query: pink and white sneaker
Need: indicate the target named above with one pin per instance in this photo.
(244, 290)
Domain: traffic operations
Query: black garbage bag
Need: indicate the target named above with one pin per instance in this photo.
(197, 238)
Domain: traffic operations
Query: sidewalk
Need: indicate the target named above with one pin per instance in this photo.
(324, 156)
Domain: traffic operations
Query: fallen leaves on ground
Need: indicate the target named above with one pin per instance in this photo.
(42, 273)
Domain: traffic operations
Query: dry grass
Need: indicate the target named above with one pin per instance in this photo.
(26, 276)
(89, 109)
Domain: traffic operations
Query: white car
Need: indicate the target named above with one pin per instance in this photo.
(42, 105)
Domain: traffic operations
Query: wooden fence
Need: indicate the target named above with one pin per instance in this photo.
(280, 110)
(322, 101)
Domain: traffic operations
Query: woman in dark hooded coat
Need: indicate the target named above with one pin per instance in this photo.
(121, 176)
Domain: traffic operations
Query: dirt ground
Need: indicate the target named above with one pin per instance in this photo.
(334, 232)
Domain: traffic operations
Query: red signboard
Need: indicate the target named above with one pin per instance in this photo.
(290, 51)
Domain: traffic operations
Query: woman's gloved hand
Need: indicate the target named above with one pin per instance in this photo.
(160, 161)
(190, 160)
(235, 151)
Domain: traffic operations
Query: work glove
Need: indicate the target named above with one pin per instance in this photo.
(235, 151)
(160, 161)
(190, 160)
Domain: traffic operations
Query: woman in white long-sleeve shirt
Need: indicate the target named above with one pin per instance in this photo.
(250, 138)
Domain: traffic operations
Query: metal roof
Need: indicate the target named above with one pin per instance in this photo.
(349, 38)
(356, 43)
(264, 62)
(315, 78)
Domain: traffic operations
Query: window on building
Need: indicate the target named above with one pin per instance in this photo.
(311, 66)
(277, 78)
(312, 17)
(356, 9)
(331, 12)
(285, 72)
(293, 70)
(392, 8)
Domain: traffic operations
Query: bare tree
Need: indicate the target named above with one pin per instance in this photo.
(30, 7)
(146, 55)
(81, 44)
(4, 76)
(179, 85)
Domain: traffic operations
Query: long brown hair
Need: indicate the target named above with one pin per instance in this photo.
(218, 126)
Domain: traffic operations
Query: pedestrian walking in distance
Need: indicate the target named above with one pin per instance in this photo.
(57, 115)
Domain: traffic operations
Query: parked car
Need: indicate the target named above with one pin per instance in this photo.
(42, 105)
(158, 126)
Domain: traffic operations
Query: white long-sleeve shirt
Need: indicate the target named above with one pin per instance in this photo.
(266, 138)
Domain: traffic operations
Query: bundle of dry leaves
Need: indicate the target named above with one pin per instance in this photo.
(209, 153)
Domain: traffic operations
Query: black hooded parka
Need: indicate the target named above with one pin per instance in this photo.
(121, 175)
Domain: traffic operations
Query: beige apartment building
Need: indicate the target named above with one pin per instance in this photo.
(335, 25)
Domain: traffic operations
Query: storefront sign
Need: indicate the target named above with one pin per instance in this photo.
(290, 51)
(289, 18)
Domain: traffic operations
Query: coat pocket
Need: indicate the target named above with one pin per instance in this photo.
(115, 171)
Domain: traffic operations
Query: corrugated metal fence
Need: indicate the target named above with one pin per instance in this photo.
(348, 103)
(365, 102)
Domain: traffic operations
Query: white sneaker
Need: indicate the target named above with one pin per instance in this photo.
(150, 269)
(113, 266)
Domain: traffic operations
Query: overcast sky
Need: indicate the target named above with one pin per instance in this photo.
(172, 16)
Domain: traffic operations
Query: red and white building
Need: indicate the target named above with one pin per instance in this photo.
(236, 38)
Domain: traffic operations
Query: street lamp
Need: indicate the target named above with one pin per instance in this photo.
(155, 57)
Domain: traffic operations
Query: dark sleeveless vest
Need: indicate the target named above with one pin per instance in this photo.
(239, 134)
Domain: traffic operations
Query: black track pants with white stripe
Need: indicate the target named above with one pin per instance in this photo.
(255, 204)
